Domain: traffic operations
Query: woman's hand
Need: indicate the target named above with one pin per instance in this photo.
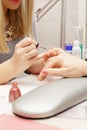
(60, 63)
(25, 55)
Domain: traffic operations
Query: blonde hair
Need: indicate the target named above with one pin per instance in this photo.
(21, 19)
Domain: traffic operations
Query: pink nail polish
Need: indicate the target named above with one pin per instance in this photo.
(14, 92)
(44, 72)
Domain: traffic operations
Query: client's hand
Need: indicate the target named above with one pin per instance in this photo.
(60, 63)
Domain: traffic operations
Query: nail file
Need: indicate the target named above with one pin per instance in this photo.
(52, 98)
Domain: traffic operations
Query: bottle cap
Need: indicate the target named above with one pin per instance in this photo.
(76, 43)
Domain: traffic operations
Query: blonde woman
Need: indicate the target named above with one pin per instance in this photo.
(17, 53)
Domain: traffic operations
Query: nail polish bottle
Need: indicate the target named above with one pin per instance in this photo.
(14, 92)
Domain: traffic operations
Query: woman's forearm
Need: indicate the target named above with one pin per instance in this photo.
(7, 72)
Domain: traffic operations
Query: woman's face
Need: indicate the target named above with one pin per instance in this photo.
(11, 4)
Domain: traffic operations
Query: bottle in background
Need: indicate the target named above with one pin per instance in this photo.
(79, 39)
(76, 50)
(68, 48)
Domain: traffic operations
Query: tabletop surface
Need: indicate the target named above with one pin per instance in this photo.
(72, 119)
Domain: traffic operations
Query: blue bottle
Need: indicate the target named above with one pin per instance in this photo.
(68, 48)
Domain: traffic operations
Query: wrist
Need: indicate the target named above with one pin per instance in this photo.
(14, 67)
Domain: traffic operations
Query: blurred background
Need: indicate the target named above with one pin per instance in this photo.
(57, 26)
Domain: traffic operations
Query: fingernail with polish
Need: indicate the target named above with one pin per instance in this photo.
(44, 72)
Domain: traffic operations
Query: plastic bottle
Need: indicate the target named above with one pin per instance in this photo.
(76, 51)
(79, 38)
(68, 48)
(82, 51)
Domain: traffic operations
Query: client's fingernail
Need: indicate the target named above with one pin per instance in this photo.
(42, 75)
(44, 72)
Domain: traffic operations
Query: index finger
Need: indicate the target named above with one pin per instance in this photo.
(26, 42)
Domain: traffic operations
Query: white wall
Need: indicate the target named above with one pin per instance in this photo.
(48, 27)
(82, 17)
(71, 19)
